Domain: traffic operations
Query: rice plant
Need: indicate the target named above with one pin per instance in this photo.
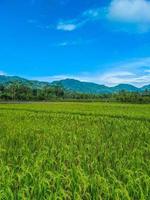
(74, 151)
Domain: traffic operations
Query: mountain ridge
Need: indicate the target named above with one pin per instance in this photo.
(95, 88)
(4, 80)
(74, 85)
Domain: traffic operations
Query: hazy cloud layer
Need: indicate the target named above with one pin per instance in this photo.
(135, 72)
(2, 73)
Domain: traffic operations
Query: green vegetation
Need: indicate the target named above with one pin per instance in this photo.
(74, 151)
(72, 85)
(17, 91)
(6, 80)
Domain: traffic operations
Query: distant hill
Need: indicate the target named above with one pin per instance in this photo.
(73, 85)
(92, 88)
(125, 87)
(82, 87)
(146, 87)
(5, 80)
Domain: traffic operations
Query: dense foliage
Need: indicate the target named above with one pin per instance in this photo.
(75, 151)
(17, 91)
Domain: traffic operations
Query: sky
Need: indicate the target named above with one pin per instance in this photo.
(101, 41)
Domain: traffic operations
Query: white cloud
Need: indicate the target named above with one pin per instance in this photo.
(85, 17)
(132, 72)
(132, 11)
(127, 78)
(127, 15)
(135, 12)
(64, 26)
(135, 72)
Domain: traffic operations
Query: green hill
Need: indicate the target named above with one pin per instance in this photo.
(146, 87)
(92, 88)
(82, 87)
(5, 80)
(126, 87)
(73, 85)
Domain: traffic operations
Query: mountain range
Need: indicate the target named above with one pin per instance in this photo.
(93, 88)
(73, 85)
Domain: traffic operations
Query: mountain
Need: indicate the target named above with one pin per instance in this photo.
(5, 80)
(125, 87)
(146, 87)
(82, 87)
(92, 88)
(73, 85)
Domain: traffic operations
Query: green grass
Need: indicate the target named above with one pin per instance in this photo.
(74, 151)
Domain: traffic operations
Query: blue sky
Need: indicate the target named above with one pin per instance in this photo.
(102, 41)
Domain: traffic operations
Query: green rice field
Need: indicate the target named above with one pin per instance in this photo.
(74, 151)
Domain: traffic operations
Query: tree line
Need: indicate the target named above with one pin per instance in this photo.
(16, 91)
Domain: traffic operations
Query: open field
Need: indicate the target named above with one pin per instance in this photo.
(74, 151)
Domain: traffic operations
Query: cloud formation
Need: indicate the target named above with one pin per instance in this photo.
(134, 72)
(84, 18)
(130, 12)
(65, 26)
(127, 78)
(120, 12)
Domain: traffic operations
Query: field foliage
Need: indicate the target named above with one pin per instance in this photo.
(74, 151)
